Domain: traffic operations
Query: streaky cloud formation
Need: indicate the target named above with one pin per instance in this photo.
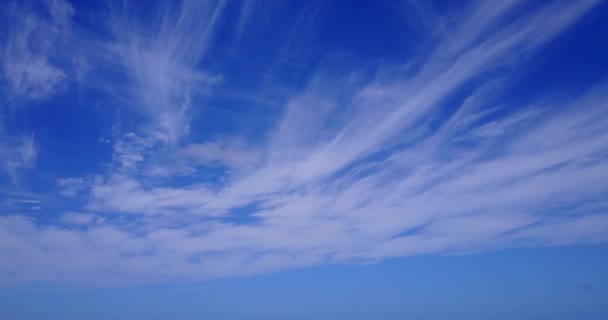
(159, 61)
(216, 165)
(30, 48)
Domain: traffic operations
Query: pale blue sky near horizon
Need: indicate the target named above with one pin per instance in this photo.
(549, 283)
(295, 160)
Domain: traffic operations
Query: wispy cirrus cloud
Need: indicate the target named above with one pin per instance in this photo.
(30, 47)
(17, 154)
(159, 57)
(432, 160)
(31, 71)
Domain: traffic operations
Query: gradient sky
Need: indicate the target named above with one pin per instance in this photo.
(304, 159)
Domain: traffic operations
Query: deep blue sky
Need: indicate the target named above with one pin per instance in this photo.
(279, 160)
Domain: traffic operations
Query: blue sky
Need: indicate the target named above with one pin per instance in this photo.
(379, 152)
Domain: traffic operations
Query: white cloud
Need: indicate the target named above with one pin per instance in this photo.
(29, 50)
(352, 171)
(75, 218)
(159, 58)
(71, 187)
(224, 153)
(17, 154)
(29, 201)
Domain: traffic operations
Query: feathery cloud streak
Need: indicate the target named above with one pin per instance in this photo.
(431, 159)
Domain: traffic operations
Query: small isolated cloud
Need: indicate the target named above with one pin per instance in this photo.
(28, 201)
(71, 187)
(586, 287)
(17, 154)
(234, 155)
(75, 218)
